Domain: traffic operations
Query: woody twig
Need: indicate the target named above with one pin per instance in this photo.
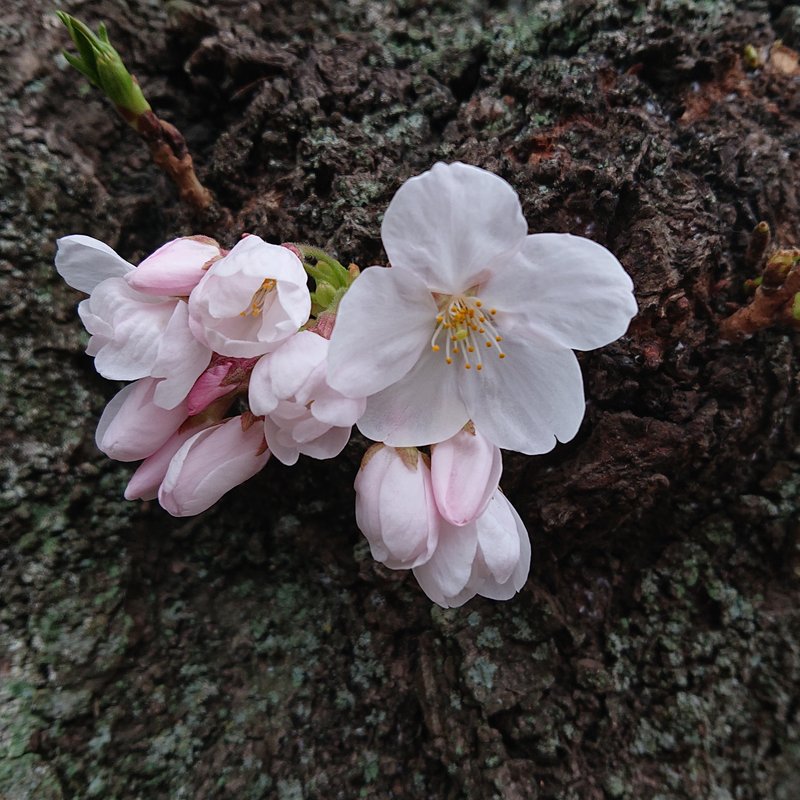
(100, 63)
(776, 299)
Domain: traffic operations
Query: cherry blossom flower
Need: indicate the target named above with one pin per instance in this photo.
(133, 334)
(398, 510)
(395, 508)
(475, 320)
(251, 300)
(210, 463)
(302, 413)
(490, 557)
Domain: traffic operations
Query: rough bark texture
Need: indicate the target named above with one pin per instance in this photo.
(257, 651)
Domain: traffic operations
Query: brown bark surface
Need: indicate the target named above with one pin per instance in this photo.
(257, 651)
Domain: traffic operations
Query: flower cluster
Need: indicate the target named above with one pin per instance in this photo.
(462, 347)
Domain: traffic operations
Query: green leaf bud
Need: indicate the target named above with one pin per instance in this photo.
(101, 64)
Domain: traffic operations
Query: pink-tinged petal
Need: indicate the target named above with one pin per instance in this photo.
(453, 226)
(176, 267)
(84, 262)
(568, 288)
(384, 324)
(145, 482)
(281, 443)
(446, 573)
(422, 408)
(295, 360)
(209, 387)
(465, 470)
(327, 445)
(261, 396)
(307, 429)
(132, 426)
(486, 584)
(395, 509)
(209, 464)
(330, 407)
(528, 400)
(498, 538)
(180, 361)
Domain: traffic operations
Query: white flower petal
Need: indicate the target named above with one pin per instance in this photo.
(529, 399)
(328, 445)
(383, 324)
(181, 360)
(128, 327)
(448, 570)
(452, 226)
(281, 443)
(84, 262)
(293, 362)
(261, 395)
(571, 289)
(422, 408)
(486, 585)
(498, 538)
(329, 406)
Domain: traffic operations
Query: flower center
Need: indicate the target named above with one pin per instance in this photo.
(257, 302)
(465, 330)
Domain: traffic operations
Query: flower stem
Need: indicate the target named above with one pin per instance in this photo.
(103, 67)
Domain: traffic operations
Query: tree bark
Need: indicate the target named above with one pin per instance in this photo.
(257, 651)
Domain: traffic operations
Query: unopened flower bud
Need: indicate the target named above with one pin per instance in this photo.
(211, 463)
(395, 508)
(465, 471)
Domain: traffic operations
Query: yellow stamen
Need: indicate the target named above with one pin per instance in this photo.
(259, 296)
(460, 321)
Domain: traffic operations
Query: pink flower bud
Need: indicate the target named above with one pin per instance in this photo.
(223, 376)
(144, 483)
(395, 508)
(176, 267)
(465, 470)
(211, 463)
(132, 426)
